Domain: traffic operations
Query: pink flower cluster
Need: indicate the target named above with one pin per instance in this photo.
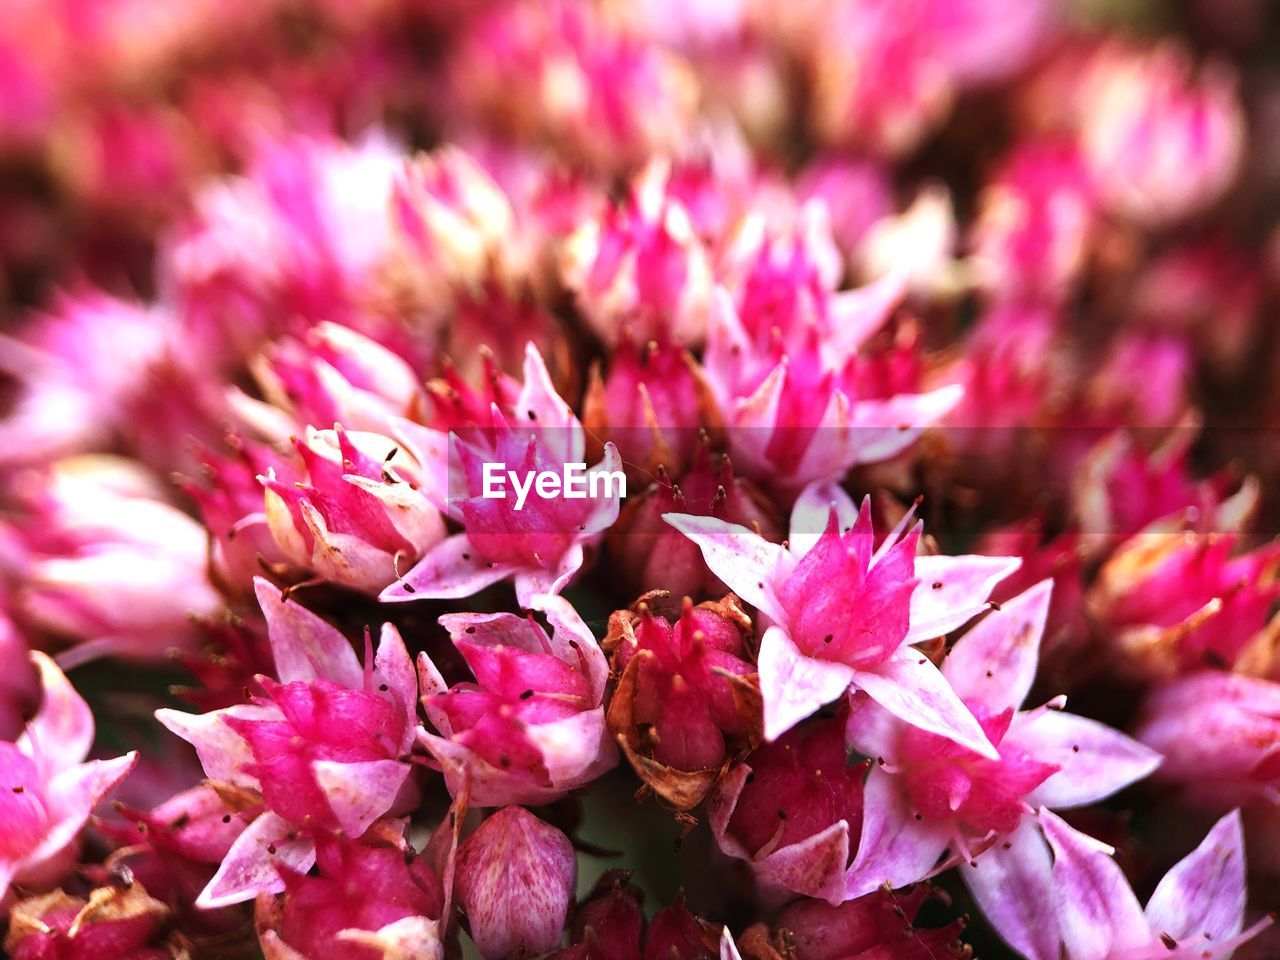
(920, 594)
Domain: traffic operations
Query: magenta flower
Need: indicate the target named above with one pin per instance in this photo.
(537, 540)
(48, 790)
(370, 899)
(454, 230)
(532, 725)
(792, 809)
(360, 517)
(301, 236)
(928, 797)
(843, 613)
(515, 880)
(1218, 733)
(326, 747)
(1034, 222)
(1177, 603)
(1081, 907)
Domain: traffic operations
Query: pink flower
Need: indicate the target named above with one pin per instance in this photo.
(783, 359)
(1174, 603)
(299, 238)
(532, 726)
(1035, 219)
(107, 563)
(229, 496)
(792, 809)
(1081, 907)
(1162, 138)
(639, 270)
(539, 542)
(845, 614)
(1218, 733)
(174, 848)
(48, 791)
(564, 73)
(331, 374)
(515, 880)
(928, 797)
(326, 747)
(370, 899)
(361, 517)
(83, 370)
(654, 403)
(454, 231)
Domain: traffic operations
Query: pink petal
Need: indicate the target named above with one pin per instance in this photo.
(539, 403)
(812, 511)
(223, 752)
(952, 591)
(895, 848)
(1095, 760)
(359, 793)
(872, 730)
(576, 749)
(304, 646)
(61, 733)
(793, 686)
(1012, 884)
(746, 562)
(393, 666)
(995, 662)
(721, 803)
(814, 867)
(606, 512)
(884, 428)
(431, 684)
(71, 797)
(484, 785)
(1203, 897)
(533, 582)
(572, 641)
(249, 868)
(1098, 913)
(910, 687)
(450, 570)
(856, 314)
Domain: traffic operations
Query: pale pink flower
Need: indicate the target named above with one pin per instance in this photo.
(49, 790)
(844, 614)
(1080, 906)
(929, 798)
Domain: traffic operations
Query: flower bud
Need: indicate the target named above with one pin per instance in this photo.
(515, 880)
